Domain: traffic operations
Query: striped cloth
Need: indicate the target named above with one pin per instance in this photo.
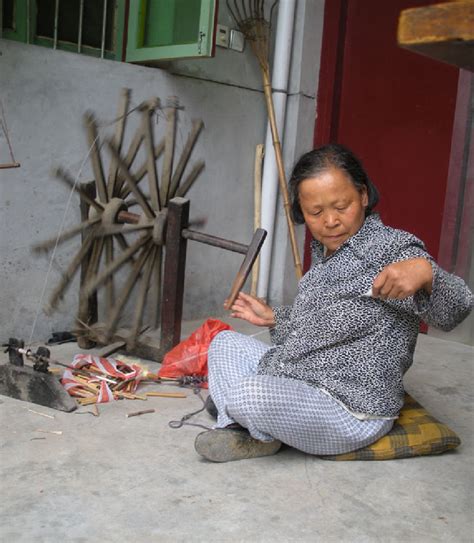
(415, 433)
(107, 367)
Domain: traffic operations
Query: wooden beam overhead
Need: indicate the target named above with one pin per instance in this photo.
(444, 32)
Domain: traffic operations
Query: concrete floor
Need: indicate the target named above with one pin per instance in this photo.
(112, 478)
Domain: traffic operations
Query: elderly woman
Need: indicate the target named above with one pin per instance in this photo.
(332, 381)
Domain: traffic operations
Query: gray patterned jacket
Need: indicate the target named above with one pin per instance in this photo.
(356, 347)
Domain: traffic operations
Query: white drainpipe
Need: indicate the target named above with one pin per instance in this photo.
(281, 68)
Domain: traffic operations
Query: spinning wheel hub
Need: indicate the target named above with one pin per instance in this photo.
(111, 213)
(159, 227)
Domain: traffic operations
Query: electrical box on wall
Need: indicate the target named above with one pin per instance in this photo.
(230, 38)
(222, 36)
(236, 40)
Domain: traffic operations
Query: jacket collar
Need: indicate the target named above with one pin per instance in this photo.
(357, 242)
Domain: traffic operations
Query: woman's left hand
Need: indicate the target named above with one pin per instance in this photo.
(402, 279)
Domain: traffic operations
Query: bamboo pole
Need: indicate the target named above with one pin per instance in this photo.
(257, 177)
(250, 20)
(267, 89)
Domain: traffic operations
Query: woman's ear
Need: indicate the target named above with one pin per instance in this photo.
(365, 197)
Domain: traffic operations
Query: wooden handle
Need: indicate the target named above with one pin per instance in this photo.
(245, 268)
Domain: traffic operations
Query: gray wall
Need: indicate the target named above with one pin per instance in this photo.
(46, 92)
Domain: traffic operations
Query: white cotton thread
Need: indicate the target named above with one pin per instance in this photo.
(53, 254)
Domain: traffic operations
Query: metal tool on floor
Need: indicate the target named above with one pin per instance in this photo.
(35, 384)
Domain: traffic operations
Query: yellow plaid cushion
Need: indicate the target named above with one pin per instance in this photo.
(415, 433)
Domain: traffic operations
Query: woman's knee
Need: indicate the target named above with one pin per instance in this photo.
(250, 398)
(359, 437)
(219, 343)
(221, 340)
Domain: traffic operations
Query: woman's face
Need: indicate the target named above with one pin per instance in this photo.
(333, 208)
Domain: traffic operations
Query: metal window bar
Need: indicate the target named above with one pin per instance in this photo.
(79, 32)
(104, 26)
(28, 21)
(56, 19)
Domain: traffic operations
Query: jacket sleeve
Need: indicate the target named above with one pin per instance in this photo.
(450, 301)
(280, 331)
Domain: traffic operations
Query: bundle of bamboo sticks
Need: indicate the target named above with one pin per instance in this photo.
(89, 381)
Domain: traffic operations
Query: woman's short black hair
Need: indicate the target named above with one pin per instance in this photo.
(319, 160)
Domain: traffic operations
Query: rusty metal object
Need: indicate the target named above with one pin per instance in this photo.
(32, 384)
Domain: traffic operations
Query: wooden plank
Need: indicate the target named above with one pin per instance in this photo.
(444, 32)
(88, 309)
(173, 277)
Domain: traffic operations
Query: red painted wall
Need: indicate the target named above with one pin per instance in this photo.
(392, 107)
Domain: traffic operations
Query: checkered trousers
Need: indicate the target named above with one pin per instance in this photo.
(289, 410)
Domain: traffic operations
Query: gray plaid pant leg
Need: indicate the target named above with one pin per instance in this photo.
(299, 415)
(271, 407)
(231, 357)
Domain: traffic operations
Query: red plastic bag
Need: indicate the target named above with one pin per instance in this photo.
(190, 356)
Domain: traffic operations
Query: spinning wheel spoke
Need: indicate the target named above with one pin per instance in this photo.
(141, 298)
(118, 139)
(97, 281)
(189, 181)
(70, 272)
(119, 229)
(129, 158)
(68, 234)
(169, 153)
(94, 261)
(183, 160)
(142, 171)
(63, 176)
(109, 284)
(156, 288)
(130, 283)
(122, 241)
(93, 142)
(151, 163)
(130, 179)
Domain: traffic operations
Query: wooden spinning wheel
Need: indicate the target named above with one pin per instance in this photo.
(108, 224)
(115, 238)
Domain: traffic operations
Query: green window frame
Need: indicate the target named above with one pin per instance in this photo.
(157, 30)
(164, 30)
(20, 25)
(25, 22)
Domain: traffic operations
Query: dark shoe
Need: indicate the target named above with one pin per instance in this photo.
(226, 445)
(211, 408)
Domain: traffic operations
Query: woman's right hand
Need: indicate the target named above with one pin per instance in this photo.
(253, 310)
